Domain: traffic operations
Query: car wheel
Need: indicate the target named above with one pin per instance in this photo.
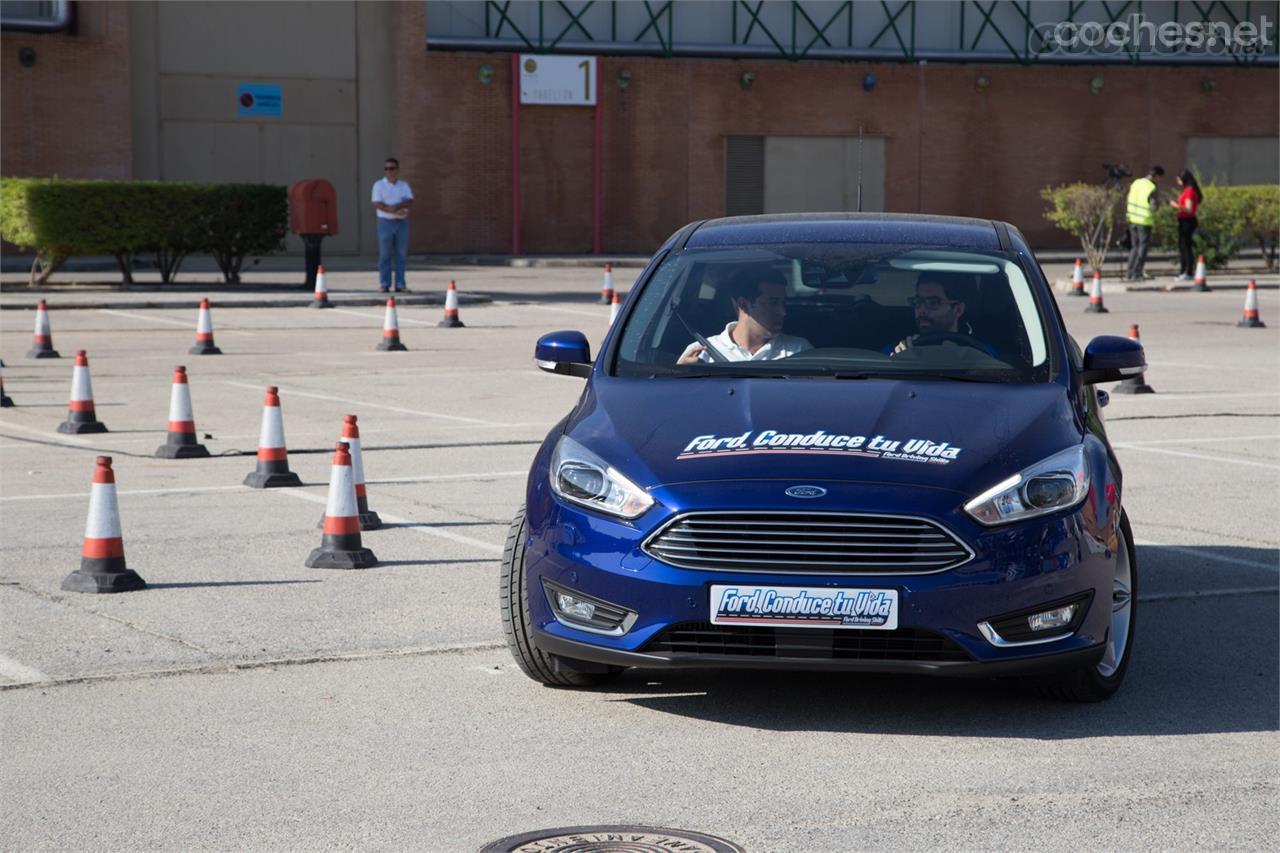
(552, 670)
(1099, 681)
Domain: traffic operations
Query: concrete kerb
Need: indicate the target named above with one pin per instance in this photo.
(224, 300)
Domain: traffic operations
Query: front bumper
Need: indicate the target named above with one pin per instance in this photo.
(1014, 567)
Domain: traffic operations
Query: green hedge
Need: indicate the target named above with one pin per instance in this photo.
(1230, 218)
(61, 219)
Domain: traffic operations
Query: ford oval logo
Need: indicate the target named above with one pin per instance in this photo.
(806, 492)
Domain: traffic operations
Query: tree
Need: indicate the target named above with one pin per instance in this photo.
(1086, 211)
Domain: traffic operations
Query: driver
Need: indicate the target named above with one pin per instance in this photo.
(940, 304)
(759, 295)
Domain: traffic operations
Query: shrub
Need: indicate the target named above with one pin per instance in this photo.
(60, 219)
(1087, 211)
(1230, 218)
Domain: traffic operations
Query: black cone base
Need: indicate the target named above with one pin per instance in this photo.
(204, 349)
(1096, 309)
(1133, 386)
(1202, 288)
(321, 303)
(451, 323)
(82, 581)
(259, 480)
(334, 559)
(182, 451)
(1251, 323)
(43, 353)
(392, 346)
(79, 428)
(1078, 293)
(6, 402)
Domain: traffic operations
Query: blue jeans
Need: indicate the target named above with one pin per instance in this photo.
(393, 237)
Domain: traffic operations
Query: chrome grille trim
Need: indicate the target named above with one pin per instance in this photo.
(786, 542)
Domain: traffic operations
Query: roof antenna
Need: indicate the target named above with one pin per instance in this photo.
(859, 168)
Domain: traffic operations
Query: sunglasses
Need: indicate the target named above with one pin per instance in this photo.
(390, 168)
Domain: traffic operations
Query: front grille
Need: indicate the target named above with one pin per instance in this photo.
(840, 543)
(901, 644)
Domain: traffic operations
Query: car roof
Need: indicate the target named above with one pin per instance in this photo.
(843, 227)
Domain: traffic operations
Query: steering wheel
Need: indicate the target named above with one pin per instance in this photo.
(935, 338)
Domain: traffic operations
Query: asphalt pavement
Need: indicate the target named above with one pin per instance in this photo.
(244, 702)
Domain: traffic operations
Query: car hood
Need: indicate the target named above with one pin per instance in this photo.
(962, 436)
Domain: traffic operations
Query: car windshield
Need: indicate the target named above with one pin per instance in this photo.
(839, 311)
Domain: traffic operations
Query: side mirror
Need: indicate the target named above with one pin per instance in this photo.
(566, 353)
(1110, 358)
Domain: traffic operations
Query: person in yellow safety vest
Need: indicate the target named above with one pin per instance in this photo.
(1140, 212)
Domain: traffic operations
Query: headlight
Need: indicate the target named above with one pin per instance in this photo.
(581, 477)
(1052, 484)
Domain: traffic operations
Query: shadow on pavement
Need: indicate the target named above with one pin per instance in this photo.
(191, 584)
(1205, 660)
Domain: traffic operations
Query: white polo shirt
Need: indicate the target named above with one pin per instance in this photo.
(390, 194)
(779, 346)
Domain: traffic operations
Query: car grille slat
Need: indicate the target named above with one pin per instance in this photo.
(798, 542)
(901, 644)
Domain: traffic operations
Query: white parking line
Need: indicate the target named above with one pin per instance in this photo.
(1174, 396)
(46, 435)
(1205, 555)
(381, 317)
(132, 316)
(1249, 463)
(294, 392)
(14, 671)
(602, 315)
(415, 526)
(1197, 439)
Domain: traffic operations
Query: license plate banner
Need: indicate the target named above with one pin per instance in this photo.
(813, 607)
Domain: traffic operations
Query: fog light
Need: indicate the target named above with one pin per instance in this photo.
(575, 608)
(1059, 617)
(586, 612)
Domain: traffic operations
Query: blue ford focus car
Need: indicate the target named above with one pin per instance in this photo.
(831, 442)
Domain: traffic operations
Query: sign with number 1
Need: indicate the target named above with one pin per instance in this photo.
(564, 80)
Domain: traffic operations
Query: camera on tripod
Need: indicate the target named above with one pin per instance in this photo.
(1116, 171)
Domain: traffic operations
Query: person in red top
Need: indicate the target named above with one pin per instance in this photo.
(1188, 204)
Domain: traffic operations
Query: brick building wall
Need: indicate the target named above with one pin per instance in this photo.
(69, 114)
(950, 147)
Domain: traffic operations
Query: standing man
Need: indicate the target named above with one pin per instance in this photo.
(1140, 213)
(392, 198)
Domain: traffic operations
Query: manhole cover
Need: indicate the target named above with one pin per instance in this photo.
(612, 839)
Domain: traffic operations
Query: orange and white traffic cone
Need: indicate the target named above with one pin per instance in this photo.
(391, 329)
(42, 340)
(81, 417)
(273, 458)
(1077, 280)
(1200, 285)
(1251, 320)
(182, 443)
(369, 519)
(451, 320)
(615, 308)
(606, 289)
(340, 546)
(322, 291)
(204, 333)
(1134, 384)
(1095, 305)
(102, 567)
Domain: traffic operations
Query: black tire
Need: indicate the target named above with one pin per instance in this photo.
(552, 670)
(1088, 684)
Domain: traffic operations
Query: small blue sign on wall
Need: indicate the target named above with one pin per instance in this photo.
(260, 99)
